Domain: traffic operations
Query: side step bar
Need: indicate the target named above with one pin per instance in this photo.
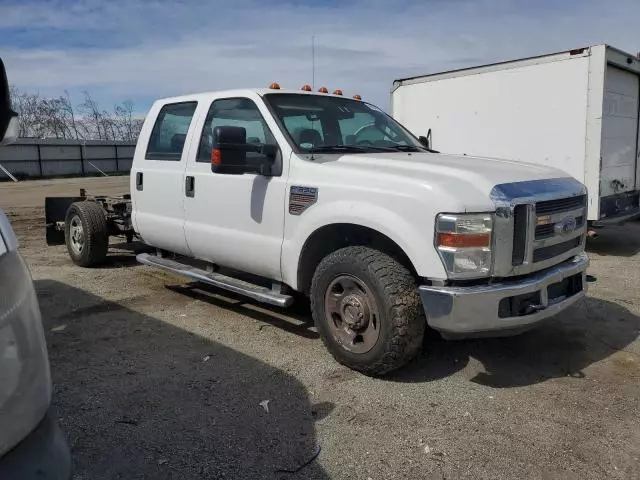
(255, 292)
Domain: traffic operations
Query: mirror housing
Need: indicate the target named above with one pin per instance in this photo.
(10, 133)
(229, 153)
(426, 142)
(8, 118)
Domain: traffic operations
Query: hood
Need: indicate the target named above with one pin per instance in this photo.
(466, 181)
(440, 169)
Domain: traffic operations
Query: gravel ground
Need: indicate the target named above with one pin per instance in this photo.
(156, 379)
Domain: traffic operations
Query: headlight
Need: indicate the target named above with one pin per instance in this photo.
(25, 384)
(464, 244)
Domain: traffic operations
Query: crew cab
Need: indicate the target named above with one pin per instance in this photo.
(272, 193)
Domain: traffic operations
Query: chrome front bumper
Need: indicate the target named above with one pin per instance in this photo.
(469, 311)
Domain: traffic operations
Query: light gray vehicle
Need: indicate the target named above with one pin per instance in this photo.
(32, 445)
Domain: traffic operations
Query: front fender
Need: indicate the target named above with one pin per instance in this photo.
(415, 239)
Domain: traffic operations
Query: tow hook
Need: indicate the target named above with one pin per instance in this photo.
(591, 279)
(531, 308)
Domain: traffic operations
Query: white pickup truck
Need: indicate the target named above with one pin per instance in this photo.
(330, 197)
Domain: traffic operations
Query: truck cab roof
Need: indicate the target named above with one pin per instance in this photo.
(244, 92)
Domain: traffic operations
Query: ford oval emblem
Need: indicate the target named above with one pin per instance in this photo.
(565, 226)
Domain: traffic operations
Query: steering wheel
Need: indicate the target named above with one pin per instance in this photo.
(362, 130)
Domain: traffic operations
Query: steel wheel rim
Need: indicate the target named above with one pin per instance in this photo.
(352, 314)
(76, 235)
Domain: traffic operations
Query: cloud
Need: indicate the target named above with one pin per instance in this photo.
(145, 49)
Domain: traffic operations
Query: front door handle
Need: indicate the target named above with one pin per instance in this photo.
(139, 181)
(190, 186)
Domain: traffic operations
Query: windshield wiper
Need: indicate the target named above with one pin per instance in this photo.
(366, 148)
(407, 148)
(339, 148)
(412, 148)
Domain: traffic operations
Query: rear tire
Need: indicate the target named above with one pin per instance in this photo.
(367, 310)
(86, 234)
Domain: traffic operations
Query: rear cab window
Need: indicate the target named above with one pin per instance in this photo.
(170, 131)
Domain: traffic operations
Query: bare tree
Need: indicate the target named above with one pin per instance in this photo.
(128, 127)
(67, 106)
(57, 118)
(93, 117)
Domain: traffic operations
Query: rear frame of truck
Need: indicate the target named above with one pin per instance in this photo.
(576, 110)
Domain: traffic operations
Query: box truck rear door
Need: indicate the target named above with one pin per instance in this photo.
(619, 132)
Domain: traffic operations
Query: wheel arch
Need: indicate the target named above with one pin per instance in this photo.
(329, 238)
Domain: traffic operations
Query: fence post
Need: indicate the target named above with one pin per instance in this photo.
(39, 159)
(81, 145)
(115, 148)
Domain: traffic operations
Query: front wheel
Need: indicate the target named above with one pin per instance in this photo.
(86, 234)
(367, 310)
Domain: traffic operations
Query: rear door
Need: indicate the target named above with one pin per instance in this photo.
(619, 132)
(157, 180)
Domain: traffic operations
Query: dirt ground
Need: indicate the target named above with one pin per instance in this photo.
(156, 379)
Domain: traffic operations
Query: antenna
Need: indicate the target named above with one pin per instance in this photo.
(313, 62)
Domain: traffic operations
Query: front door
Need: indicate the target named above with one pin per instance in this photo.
(157, 179)
(236, 220)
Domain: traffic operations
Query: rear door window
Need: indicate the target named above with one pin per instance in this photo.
(169, 133)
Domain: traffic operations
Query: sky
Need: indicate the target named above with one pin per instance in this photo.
(141, 50)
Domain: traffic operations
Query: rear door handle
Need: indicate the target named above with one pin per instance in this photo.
(139, 181)
(190, 186)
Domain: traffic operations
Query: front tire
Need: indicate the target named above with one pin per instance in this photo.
(367, 310)
(86, 234)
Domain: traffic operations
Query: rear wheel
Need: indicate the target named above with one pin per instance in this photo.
(367, 310)
(86, 234)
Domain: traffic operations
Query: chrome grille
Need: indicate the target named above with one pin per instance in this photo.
(547, 231)
(520, 225)
(538, 224)
(559, 227)
(545, 253)
(560, 205)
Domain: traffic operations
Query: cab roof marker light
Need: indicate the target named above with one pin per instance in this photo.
(306, 88)
(274, 86)
(323, 90)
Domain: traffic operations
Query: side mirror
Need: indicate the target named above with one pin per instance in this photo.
(426, 142)
(8, 118)
(229, 153)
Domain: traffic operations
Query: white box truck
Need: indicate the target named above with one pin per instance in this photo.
(575, 110)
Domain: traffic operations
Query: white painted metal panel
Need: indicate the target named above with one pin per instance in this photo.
(158, 206)
(532, 113)
(593, 140)
(638, 158)
(619, 131)
(237, 220)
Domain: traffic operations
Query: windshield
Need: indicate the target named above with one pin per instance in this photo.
(324, 124)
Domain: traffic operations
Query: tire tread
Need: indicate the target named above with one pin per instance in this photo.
(406, 313)
(94, 224)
